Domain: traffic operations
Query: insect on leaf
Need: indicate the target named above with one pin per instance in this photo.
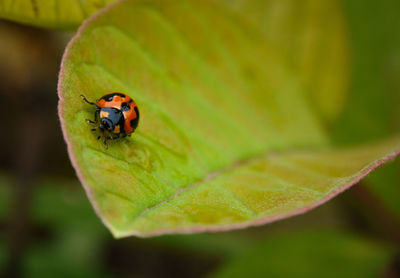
(227, 137)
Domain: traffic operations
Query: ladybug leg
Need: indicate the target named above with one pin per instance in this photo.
(96, 114)
(116, 137)
(105, 142)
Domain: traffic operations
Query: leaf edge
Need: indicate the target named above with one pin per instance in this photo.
(195, 229)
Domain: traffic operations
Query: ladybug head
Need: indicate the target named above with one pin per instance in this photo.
(110, 118)
(106, 124)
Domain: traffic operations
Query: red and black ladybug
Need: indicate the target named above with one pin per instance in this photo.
(118, 115)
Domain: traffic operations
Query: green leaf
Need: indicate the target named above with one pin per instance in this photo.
(312, 36)
(76, 238)
(59, 14)
(73, 236)
(310, 254)
(374, 100)
(227, 137)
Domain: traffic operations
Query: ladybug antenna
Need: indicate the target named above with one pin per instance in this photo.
(89, 102)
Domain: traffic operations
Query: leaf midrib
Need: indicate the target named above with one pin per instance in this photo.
(223, 171)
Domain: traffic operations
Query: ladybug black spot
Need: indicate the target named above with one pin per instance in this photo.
(111, 96)
(119, 94)
(125, 106)
(134, 122)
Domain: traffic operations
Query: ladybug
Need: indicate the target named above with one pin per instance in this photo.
(118, 115)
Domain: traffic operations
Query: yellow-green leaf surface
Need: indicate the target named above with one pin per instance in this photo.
(312, 34)
(61, 14)
(226, 139)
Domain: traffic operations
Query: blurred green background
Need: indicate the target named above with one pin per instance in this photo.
(49, 229)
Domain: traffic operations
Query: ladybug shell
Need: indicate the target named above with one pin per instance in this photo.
(126, 105)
